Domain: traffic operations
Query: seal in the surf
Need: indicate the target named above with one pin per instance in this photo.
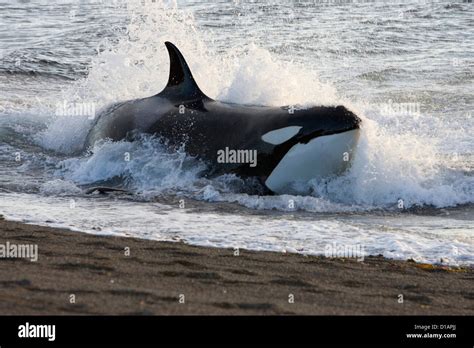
(278, 145)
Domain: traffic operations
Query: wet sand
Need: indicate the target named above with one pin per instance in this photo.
(175, 278)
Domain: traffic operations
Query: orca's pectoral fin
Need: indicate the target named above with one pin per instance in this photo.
(181, 83)
(103, 190)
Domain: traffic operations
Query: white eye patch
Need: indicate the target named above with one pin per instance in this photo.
(279, 136)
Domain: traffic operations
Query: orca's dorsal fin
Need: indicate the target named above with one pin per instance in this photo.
(181, 83)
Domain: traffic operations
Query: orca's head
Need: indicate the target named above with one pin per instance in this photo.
(318, 142)
(323, 121)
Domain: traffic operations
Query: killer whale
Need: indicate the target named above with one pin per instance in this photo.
(289, 145)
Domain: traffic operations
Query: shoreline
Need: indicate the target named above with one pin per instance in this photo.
(82, 274)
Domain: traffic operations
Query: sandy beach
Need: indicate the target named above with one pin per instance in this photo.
(115, 275)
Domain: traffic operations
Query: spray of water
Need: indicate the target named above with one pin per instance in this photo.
(394, 161)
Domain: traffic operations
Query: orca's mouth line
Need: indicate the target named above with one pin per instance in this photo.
(319, 133)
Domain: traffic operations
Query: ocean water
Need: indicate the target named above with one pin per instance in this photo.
(404, 67)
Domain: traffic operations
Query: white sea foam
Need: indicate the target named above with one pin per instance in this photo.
(59, 187)
(424, 239)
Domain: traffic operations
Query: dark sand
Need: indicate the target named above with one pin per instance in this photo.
(213, 281)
